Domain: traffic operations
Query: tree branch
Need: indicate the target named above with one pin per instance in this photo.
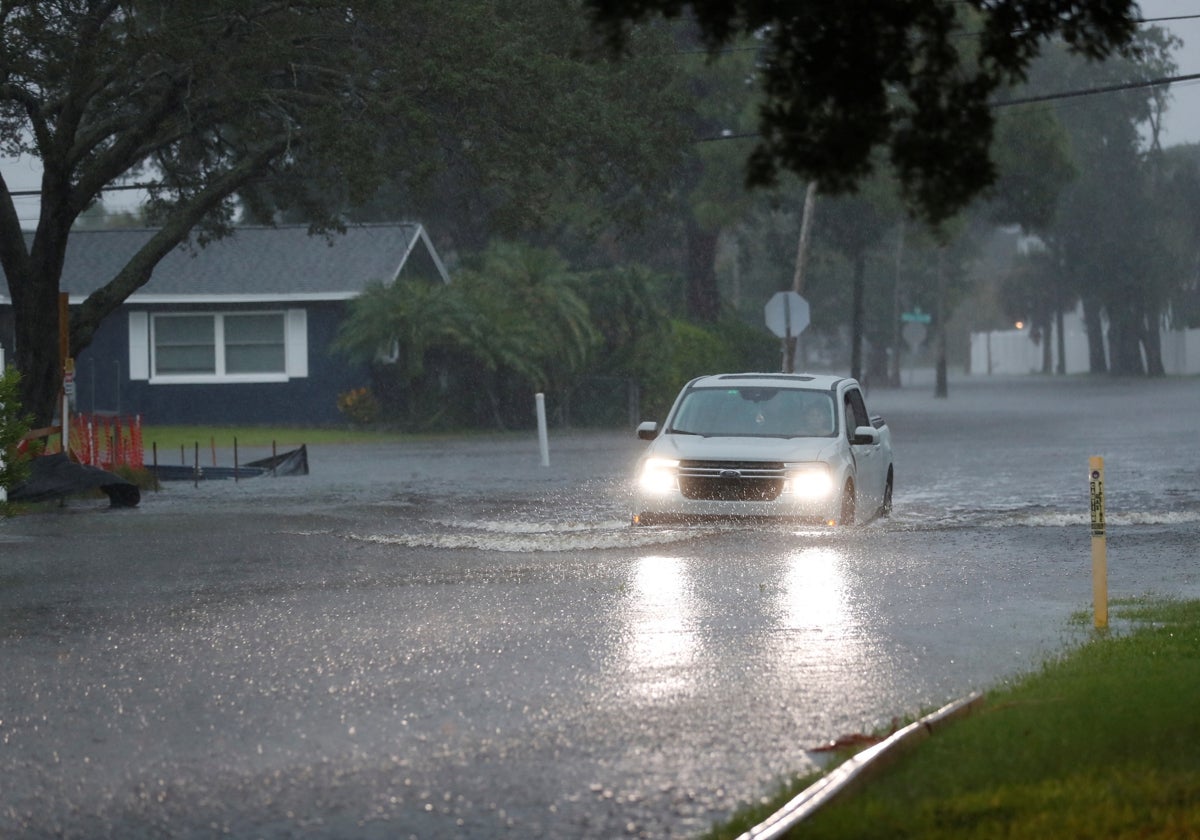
(14, 255)
(105, 300)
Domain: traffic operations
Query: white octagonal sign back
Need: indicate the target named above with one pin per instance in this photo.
(787, 314)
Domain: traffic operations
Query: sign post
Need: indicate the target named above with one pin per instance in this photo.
(915, 329)
(1099, 543)
(68, 366)
(68, 397)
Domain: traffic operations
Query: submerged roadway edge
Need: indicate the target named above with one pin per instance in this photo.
(857, 768)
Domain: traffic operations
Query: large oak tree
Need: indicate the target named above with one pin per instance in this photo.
(285, 108)
(200, 99)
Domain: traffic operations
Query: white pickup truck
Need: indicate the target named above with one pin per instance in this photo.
(793, 446)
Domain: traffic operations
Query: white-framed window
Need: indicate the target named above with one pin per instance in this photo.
(198, 347)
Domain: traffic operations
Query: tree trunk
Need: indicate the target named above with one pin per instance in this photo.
(1062, 342)
(36, 352)
(1097, 360)
(1124, 342)
(1046, 332)
(1152, 344)
(33, 284)
(703, 299)
(856, 316)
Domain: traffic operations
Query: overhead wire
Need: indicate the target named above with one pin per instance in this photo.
(1164, 81)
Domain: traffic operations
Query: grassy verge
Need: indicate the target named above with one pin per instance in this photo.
(1101, 742)
(172, 437)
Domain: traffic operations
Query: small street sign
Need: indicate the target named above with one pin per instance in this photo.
(69, 378)
(916, 316)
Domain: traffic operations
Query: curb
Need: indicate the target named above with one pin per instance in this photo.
(857, 768)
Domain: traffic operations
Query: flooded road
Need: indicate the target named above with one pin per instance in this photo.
(445, 639)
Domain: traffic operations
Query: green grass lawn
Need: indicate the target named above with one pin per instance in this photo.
(172, 437)
(1101, 742)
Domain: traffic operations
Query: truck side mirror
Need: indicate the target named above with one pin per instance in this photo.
(865, 436)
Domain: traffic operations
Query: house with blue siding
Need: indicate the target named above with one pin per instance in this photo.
(239, 331)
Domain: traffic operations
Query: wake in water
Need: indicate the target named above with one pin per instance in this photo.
(1032, 516)
(526, 536)
(515, 536)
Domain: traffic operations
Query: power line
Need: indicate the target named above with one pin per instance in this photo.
(1161, 19)
(1071, 94)
(1024, 100)
(758, 48)
(26, 193)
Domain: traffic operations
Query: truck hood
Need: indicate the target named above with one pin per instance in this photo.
(697, 448)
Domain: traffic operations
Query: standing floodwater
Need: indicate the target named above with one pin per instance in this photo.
(446, 639)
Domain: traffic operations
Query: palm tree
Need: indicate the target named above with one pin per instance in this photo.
(538, 328)
(511, 324)
(402, 322)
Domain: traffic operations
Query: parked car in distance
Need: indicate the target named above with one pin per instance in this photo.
(792, 446)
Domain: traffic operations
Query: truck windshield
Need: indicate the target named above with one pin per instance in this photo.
(755, 412)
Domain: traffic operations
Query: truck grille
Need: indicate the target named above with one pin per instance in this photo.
(731, 481)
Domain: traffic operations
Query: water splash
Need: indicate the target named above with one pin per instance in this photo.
(520, 536)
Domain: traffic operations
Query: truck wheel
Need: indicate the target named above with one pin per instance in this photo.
(886, 509)
(847, 514)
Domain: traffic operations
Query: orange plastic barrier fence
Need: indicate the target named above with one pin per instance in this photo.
(106, 442)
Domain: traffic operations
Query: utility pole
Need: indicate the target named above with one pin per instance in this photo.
(894, 367)
(66, 368)
(941, 389)
(791, 344)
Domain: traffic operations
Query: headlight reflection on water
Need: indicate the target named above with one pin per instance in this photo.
(661, 640)
(826, 610)
(665, 615)
(813, 594)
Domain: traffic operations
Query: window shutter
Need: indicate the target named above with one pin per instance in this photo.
(296, 337)
(139, 345)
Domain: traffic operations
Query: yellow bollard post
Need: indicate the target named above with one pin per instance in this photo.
(1099, 543)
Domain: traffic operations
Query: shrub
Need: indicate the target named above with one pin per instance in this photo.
(14, 424)
(359, 406)
(691, 350)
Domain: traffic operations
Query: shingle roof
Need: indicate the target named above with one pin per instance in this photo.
(254, 262)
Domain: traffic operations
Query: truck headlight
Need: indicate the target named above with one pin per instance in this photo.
(658, 475)
(809, 481)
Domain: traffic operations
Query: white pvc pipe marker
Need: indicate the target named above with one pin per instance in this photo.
(543, 442)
